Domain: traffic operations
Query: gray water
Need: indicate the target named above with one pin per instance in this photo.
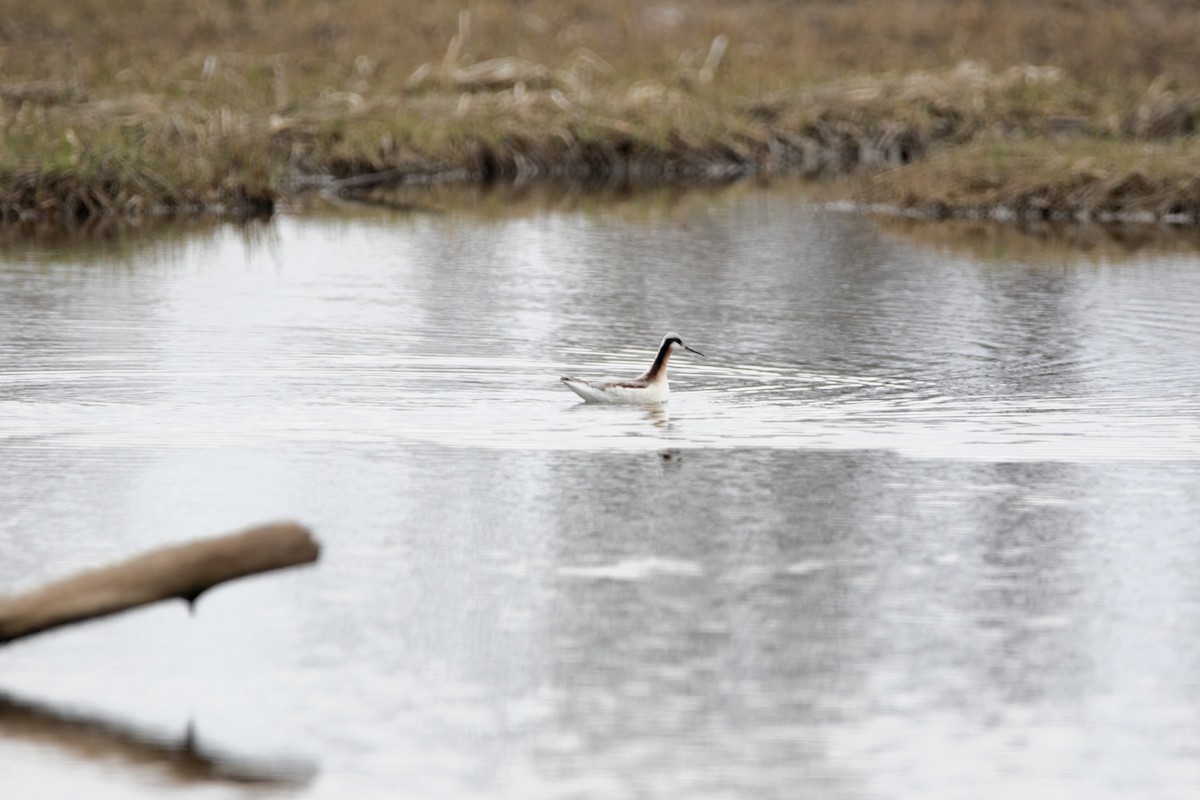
(923, 524)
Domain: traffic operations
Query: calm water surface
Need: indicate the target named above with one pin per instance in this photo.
(923, 525)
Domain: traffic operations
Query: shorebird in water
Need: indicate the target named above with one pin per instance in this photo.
(649, 387)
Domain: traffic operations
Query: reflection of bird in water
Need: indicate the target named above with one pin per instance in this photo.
(658, 416)
(649, 387)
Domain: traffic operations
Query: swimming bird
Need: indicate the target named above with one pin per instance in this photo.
(649, 387)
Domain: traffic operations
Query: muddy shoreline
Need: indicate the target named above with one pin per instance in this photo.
(868, 176)
(66, 198)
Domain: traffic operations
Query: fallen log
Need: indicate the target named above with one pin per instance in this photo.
(181, 571)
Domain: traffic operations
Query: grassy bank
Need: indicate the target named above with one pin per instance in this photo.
(135, 106)
(1048, 178)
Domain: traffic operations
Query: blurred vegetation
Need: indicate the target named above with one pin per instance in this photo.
(137, 106)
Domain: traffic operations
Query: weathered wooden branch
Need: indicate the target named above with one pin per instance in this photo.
(184, 571)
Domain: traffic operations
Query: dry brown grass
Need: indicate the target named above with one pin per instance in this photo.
(1047, 178)
(131, 105)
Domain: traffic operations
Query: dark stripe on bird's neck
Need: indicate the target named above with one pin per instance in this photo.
(660, 360)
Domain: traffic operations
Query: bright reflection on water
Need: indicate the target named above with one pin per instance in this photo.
(922, 525)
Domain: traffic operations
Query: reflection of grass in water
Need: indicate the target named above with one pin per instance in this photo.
(630, 201)
(133, 105)
(113, 242)
(1035, 242)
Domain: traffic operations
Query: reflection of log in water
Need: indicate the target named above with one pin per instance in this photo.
(183, 571)
(183, 758)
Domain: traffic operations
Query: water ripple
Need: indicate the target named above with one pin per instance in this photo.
(475, 401)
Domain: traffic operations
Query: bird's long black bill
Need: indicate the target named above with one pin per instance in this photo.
(697, 352)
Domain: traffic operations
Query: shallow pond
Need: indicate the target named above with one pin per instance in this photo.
(924, 523)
